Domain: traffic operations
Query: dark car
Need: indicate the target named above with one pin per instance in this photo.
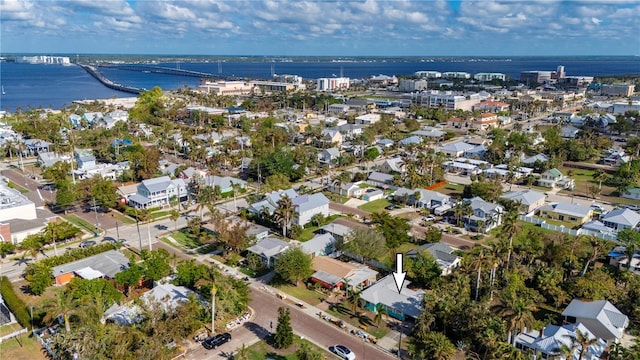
(215, 341)
(87, 243)
(390, 207)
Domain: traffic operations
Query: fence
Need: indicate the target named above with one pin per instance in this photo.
(13, 334)
(543, 224)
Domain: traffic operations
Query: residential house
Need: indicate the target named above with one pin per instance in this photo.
(35, 146)
(329, 156)
(158, 192)
(485, 215)
(569, 132)
(225, 183)
(463, 168)
(332, 136)
(385, 143)
(442, 253)
(360, 105)
(486, 121)
(268, 249)
(575, 214)
(393, 165)
(553, 178)
(529, 200)
(320, 245)
(84, 158)
(371, 194)
(620, 219)
(540, 158)
(341, 228)
(429, 134)
(255, 231)
(406, 304)
(350, 189)
(368, 119)
(46, 159)
(476, 153)
(110, 120)
(104, 265)
(428, 199)
(334, 274)
(546, 343)
(380, 180)
(165, 295)
(493, 106)
(455, 149)
(305, 206)
(411, 140)
(600, 317)
(632, 193)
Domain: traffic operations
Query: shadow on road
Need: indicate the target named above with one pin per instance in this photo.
(258, 330)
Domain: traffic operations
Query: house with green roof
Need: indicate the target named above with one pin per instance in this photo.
(632, 192)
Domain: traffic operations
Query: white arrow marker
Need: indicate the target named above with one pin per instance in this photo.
(399, 275)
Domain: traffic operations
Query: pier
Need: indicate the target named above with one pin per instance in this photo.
(110, 84)
(162, 70)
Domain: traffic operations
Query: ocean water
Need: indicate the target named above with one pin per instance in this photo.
(33, 86)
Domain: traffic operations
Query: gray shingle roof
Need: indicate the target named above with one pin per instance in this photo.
(109, 263)
(623, 217)
(269, 247)
(385, 292)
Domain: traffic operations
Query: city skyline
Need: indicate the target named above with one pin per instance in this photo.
(321, 28)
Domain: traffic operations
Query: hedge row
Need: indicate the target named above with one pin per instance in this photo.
(78, 253)
(14, 303)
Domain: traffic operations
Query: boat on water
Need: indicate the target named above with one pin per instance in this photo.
(3, 90)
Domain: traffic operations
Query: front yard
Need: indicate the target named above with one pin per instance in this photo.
(263, 350)
(375, 206)
(301, 292)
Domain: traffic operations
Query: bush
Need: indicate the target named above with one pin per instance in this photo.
(14, 303)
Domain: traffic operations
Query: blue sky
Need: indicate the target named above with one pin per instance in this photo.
(322, 28)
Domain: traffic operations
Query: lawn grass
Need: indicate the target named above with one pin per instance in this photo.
(301, 292)
(186, 240)
(308, 233)
(262, 350)
(451, 189)
(79, 222)
(123, 218)
(160, 214)
(335, 197)
(25, 347)
(343, 312)
(171, 243)
(374, 206)
(8, 329)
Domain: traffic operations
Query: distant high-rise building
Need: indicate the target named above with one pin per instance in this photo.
(560, 72)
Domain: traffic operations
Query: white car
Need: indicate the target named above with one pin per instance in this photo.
(429, 218)
(344, 352)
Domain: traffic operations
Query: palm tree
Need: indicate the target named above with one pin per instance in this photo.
(439, 346)
(477, 263)
(62, 305)
(517, 312)
(510, 227)
(596, 246)
(582, 341)
(51, 231)
(355, 302)
(381, 311)
(174, 215)
(284, 213)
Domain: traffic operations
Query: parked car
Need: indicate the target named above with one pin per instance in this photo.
(390, 207)
(597, 207)
(429, 218)
(215, 341)
(344, 352)
(87, 243)
(633, 207)
(109, 239)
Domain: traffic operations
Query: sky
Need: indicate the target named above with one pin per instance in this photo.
(322, 28)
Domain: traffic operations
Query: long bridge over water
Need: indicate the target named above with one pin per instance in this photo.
(162, 70)
(110, 84)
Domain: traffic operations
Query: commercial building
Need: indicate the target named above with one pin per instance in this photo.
(330, 84)
(408, 85)
(625, 90)
(489, 76)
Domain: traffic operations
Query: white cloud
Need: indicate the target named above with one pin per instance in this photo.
(596, 20)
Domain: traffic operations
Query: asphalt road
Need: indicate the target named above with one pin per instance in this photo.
(310, 327)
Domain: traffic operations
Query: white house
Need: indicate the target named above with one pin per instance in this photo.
(485, 216)
(599, 316)
(158, 192)
(368, 119)
(620, 219)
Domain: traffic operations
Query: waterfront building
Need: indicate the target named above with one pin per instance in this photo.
(428, 74)
(409, 85)
(625, 90)
(489, 76)
(42, 59)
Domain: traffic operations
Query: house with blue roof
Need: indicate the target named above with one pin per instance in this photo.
(411, 140)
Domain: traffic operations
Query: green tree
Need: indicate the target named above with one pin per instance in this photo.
(57, 172)
(432, 235)
(156, 264)
(103, 191)
(61, 305)
(435, 346)
(381, 312)
(283, 337)
(306, 352)
(6, 248)
(423, 269)
(367, 243)
(276, 182)
(294, 265)
(65, 194)
(394, 229)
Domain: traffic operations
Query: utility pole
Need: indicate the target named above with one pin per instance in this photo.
(95, 211)
(213, 308)
(138, 227)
